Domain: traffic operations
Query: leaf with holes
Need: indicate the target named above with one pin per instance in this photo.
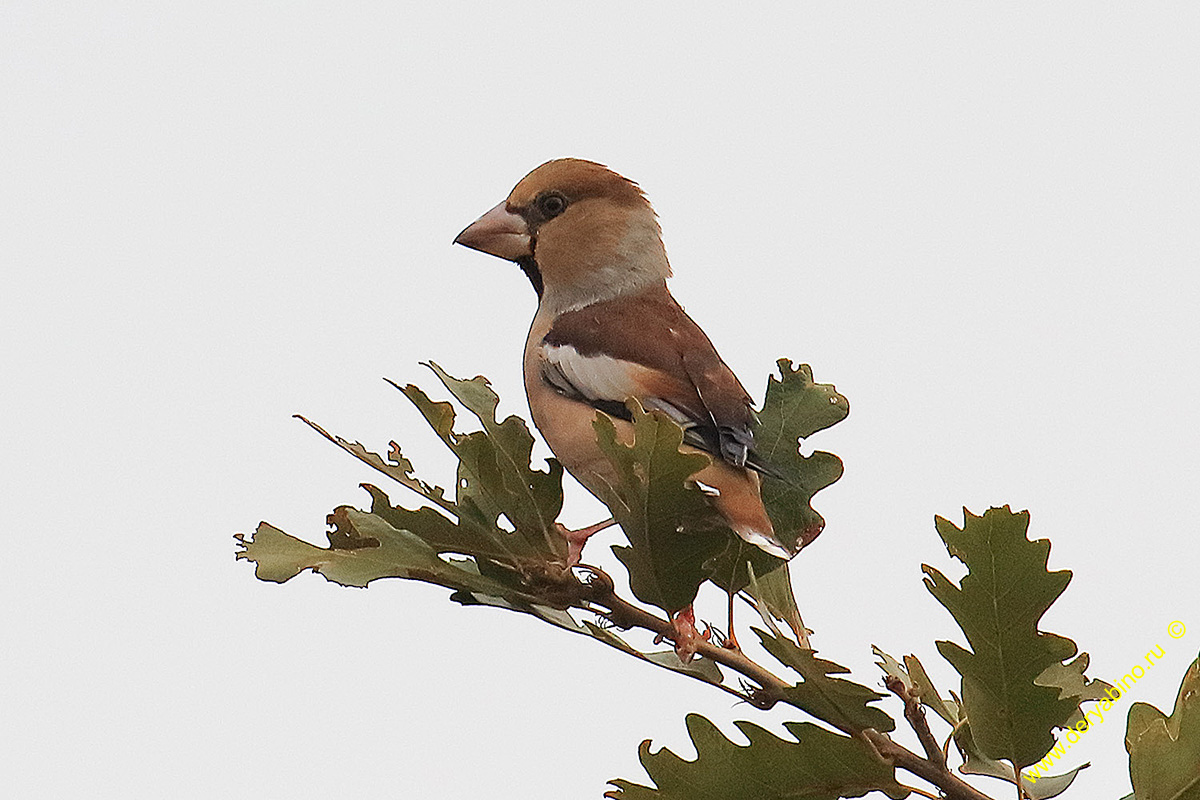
(395, 466)
(495, 476)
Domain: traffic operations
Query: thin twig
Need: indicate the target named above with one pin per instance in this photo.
(1021, 793)
(916, 719)
(951, 785)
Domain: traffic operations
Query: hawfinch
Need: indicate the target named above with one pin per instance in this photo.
(607, 329)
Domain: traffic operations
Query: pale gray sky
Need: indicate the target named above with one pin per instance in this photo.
(979, 221)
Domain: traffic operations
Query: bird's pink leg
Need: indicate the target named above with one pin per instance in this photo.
(577, 539)
(686, 635)
(731, 642)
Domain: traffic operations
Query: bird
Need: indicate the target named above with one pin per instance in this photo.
(608, 329)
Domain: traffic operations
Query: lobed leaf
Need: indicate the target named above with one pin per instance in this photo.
(395, 466)
(818, 765)
(1071, 683)
(795, 408)
(893, 668)
(998, 605)
(1164, 752)
(444, 535)
(835, 700)
(362, 548)
(495, 476)
(700, 668)
(912, 674)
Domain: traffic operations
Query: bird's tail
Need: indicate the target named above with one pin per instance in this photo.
(763, 541)
(741, 504)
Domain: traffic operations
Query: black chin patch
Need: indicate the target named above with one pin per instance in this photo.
(530, 268)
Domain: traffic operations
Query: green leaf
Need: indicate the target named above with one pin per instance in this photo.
(1048, 786)
(395, 466)
(912, 674)
(1038, 787)
(795, 408)
(1164, 752)
(495, 476)
(945, 707)
(819, 765)
(701, 668)
(772, 593)
(731, 569)
(444, 535)
(892, 668)
(670, 524)
(1001, 599)
(1072, 683)
(837, 701)
(560, 617)
(470, 535)
(362, 548)
(738, 567)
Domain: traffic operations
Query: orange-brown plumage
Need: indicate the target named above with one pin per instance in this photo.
(607, 328)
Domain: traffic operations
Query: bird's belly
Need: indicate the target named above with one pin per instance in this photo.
(567, 426)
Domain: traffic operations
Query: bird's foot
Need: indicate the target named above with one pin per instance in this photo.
(577, 539)
(715, 634)
(686, 636)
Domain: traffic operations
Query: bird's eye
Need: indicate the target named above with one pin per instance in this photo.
(552, 204)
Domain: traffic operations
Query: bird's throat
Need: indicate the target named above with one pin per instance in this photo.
(530, 268)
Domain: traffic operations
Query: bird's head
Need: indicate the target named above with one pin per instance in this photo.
(581, 232)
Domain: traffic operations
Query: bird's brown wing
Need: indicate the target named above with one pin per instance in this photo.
(647, 347)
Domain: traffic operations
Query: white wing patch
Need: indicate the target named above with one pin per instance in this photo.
(601, 377)
(596, 377)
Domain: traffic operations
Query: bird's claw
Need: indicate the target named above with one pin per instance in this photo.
(713, 633)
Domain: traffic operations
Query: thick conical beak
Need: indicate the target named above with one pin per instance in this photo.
(500, 233)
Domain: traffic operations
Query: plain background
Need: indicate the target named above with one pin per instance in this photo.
(979, 221)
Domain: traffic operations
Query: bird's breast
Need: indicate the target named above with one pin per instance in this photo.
(566, 424)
